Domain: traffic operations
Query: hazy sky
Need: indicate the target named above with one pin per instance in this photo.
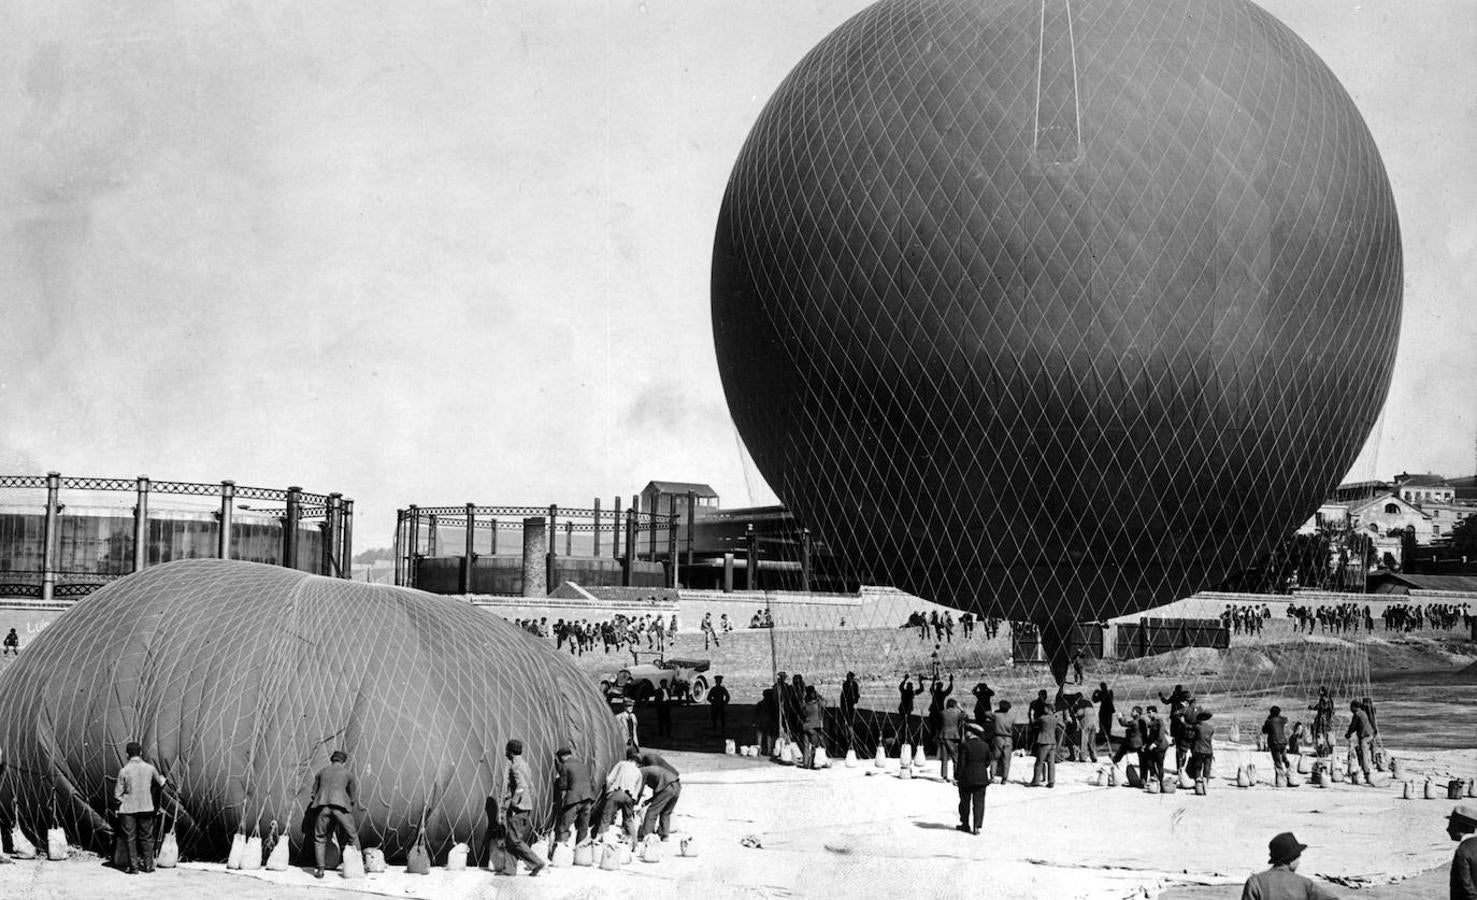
(450, 252)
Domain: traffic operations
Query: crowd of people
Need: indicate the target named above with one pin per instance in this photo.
(616, 634)
(1414, 616)
(1245, 618)
(932, 626)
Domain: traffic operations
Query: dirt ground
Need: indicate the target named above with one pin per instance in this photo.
(865, 831)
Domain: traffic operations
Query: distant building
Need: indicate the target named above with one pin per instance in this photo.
(1423, 489)
(660, 497)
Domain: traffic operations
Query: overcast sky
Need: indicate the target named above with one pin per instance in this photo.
(447, 252)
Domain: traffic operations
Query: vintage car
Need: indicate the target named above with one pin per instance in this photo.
(684, 679)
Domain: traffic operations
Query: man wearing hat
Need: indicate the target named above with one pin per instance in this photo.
(335, 794)
(973, 775)
(1460, 826)
(1281, 882)
(518, 801)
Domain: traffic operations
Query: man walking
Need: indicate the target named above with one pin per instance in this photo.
(134, 794)
(574, 794)
(1106, 710)
(1460, 827)
(973, 777)
(518, 801)
(1281, 882)
(336, 796)
(951, 732)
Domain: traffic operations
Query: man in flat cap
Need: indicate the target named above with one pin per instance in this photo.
(1460, 827)
(336, 795)
(1281, 882)
(518, 801)
(574, 794)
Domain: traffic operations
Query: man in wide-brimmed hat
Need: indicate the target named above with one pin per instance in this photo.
(1461, 826)
(1281, 882)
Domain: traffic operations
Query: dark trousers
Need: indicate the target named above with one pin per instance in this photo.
(1279, 756)
(625, 804)
(327, 817)
(516, 832)
(578, 815)
(484, 856)
(718, 717)
(1200, 764)
(972, 806)
(1001, 750)
(659, 811)
(137, 833)
(1152, 763)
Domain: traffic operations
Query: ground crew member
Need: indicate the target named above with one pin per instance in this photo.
(1156, 743)
(1361, 737)
(1106, 710)
(665, 786)
(1048, 738)
(1133, 736)
(951, 732)
(1275, 728)
(574, 794)
(518, 801)
(134, 794)
(336, 796)
(626, 721)
(1202, 751)
(1002, 747)
(622, 785)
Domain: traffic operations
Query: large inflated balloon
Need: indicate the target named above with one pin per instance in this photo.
(241, 679)
(1056, 310)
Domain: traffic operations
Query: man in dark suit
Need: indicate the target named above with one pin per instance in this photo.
(1048, 739)
(951, 732)
(973, 776)
(336, 796)
(718, 707)
(1106, 710)
(1460, 827)
(1156, 743)
(1275, 728)
(574, 794)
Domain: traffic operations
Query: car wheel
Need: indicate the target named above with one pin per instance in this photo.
(699, 689)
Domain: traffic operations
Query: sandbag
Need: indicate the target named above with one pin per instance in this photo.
(1243, 780)
(238, 851)
(1471, 788)
(1406, 793)
(905, 773)
(651, 849)
(1334, 775)
(20, 846)
(850, 760)
(1455, 789)
(1293, 780)
(627, 853)
(418, 860)
(821, 759)
(1304, 767)
(905, 756)
(374, 860)
(456, 857)
(251, 858)
(279, 857)
(730, 747)
(353, 862)
(584, 854)
(1429, 791)
(56, 844)
(168, 852)
(1151, 785)
(610, 857)
(561, 854)
(920, 759)
(500, 861)
(687, 847)
(880, 760)
(1397, 769)
(1251, 774)
(1133, 778)
(1097, 777)
(1168, 785)
(1184, 780)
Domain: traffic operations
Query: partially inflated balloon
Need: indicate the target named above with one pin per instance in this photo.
(240, 680)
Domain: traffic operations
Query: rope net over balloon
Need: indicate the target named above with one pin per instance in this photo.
(240, 680)
(1052, 313)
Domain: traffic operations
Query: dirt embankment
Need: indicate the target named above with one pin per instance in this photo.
(1448, 657)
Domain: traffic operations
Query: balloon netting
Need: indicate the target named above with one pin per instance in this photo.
(240, 680)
